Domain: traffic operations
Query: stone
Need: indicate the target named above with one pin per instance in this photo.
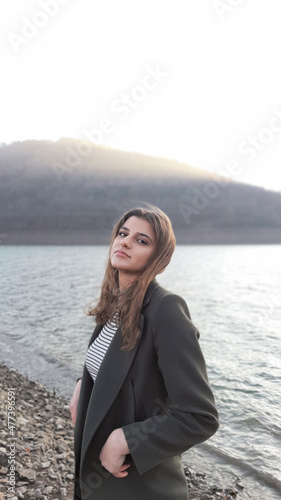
(20, 494)
(48, 490)
(22, 489)
(60, 456)
(21, 421)
(28, 473)
(45, 464)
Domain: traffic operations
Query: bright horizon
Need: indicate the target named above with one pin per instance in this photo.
(197, 81)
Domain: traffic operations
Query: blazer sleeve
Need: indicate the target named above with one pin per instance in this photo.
(191, 417)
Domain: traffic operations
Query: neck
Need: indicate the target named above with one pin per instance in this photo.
(125, 280)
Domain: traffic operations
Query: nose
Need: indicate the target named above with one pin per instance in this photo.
(125, 242)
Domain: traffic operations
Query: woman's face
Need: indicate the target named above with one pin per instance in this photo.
(132, 247)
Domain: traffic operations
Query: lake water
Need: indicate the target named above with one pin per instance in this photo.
(234, 296)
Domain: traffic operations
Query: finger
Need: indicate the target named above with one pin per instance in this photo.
(124, 467)
(120, 474)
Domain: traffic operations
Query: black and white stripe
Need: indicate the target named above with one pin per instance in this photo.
(98, 348)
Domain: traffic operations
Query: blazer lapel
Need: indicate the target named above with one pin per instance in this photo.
(112, 373)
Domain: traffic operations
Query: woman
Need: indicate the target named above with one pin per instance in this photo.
(144, 397)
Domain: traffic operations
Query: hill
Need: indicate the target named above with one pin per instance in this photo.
(71, 192)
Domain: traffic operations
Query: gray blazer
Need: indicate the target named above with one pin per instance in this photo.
(158, 393)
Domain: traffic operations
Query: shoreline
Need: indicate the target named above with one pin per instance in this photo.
(37, 450)
(39, 444)
(190, 235)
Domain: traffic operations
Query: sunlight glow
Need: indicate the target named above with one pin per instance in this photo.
(172, 79)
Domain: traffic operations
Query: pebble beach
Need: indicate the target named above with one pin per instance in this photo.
(36, 446)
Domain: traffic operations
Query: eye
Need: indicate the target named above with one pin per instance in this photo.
(143, 242)
(121, 233)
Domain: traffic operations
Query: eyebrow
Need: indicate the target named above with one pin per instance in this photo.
(141, 234)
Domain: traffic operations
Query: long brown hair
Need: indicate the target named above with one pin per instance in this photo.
(129, 301)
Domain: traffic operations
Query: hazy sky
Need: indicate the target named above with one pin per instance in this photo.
(194, 80)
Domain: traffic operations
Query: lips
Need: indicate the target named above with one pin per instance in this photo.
(121, 253)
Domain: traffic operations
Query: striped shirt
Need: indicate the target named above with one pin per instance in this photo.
(98, 348)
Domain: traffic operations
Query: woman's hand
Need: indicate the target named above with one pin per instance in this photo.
(113, 454)
(74, 401)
